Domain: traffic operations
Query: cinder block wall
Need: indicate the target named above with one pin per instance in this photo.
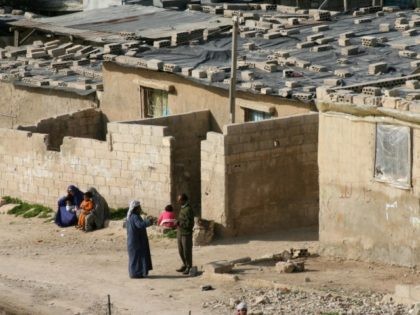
(134, 162)
(188, 130)
(87, 123)
(266, 177)
(361, 218)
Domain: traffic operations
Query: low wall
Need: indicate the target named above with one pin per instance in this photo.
(262, 176)
(134, 162)
(361, 218)
(87, 123)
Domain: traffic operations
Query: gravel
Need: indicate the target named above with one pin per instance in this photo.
(283, 301)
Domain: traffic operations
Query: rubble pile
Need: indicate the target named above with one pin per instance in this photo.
(284, 301)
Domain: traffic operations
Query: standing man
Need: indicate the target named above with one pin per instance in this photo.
(184, 233)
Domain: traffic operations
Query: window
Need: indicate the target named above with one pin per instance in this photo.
(393, 155)
(154, 102)
(255, 115)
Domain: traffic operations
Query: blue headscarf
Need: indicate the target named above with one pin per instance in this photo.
(77, 195)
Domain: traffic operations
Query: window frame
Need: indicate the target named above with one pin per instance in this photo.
(395, 183)
(145, 94)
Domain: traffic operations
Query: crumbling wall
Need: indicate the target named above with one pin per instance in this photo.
(87, 123)
(268, 173)
(122, 91)
(134, 162)
(25, 106)
(361, 218)
(188, 130)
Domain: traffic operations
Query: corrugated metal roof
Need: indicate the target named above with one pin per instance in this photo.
(103, 25)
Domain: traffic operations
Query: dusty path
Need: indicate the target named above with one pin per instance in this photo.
(49, 270)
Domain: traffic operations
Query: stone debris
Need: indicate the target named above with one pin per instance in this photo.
(221, 266)
(282, 301)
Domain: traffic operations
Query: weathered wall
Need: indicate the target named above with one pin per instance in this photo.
(122, 91)
(361, 218)
(188, 130)
(134, 162)
(26, 106)
(87, 123)
(267, 172)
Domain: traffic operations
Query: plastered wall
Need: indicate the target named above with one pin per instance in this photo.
(26, 106)
(121, 99)
(361, 218)
(262, 176)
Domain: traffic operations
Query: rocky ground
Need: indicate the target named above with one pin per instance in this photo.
(45, 269)
(281, 301)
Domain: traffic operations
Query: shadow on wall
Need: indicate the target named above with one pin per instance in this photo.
(89, 123)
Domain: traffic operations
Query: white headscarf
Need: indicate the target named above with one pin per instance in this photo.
(133, 204)
(241, 306)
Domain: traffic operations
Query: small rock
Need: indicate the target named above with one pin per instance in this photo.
(307, 279)
(285, 267)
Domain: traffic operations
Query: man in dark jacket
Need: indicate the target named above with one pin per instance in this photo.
(184, 233)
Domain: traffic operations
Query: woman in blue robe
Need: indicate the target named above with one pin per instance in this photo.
(64, 217)
(139, 259)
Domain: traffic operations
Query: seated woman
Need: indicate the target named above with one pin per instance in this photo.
(167, 218)
(64, 217)
(100, 213)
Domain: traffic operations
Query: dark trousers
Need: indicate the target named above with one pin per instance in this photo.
(185, 245)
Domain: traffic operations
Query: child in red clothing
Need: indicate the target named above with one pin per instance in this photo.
(167, 218)
(86, 207)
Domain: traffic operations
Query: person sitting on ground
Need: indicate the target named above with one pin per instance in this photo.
(241, 309)
(167, 218)
(86, 207)
(66, 218)
(100, 214)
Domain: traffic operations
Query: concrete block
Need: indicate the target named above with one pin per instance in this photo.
(369, 41)
(285, 92)
(312, 38)
(249, 46)
(362, 21)
(155, 64)
(292, 84)
(199, 73)
(216, 75)
(350, 50)
(375, 68)
(161, 43)
(385, 27)
(407, 54)
(167, 67)
(371, 90)
(304, 45)
(343, 73)
(320, 28)
(321, 48)
(324, 40)
(344, 42)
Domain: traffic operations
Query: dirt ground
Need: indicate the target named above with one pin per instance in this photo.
(45, 269)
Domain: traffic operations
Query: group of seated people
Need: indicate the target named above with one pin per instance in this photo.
(87, 211)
